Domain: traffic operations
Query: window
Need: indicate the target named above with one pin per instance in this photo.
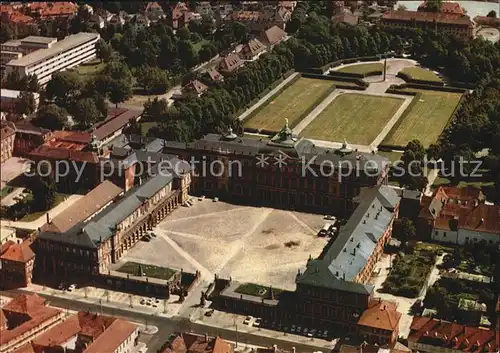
(444, 234)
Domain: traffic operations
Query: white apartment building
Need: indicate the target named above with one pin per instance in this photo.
(57, 56)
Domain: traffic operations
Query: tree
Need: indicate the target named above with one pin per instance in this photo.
(402, 7)
(86, 112)
(239, 32)
(64, 88)
(6, 32)
(104, 50)
(25, 103)
(187, 54)
(152, 79)
(44, 192)
(413, 160)
(119, 91)
(492, 13)
(433, 5)
(183, 33)
(51, 117)
(116, 82)
(407, 231)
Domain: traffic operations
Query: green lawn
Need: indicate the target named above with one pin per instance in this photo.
(358, 118)
(291, 103)
(145, 126)
(33, 216)
(392, 156)
(362, 68)
(6, 190)
(426, 119)
(257, 290)
(150, 270)
(90, 68)
(418, 73)
(197, 46)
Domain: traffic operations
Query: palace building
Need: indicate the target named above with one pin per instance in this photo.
(283, 172)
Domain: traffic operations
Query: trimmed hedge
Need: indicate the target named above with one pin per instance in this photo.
(399, 89)
(356, 75)
(408, 79)
(268, 132)
(323, 69)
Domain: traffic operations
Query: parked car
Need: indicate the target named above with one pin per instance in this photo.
(71, 288)
(312, 333)
(143, 301)
(325, 334)
(305, 332)
(330, 217)
(298, 330)
(61, 286)
(216, 199)
(293, 328)
(247, 320)
(209, 313)
(257, 322)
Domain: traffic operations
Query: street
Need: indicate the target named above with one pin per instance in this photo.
(167, 326)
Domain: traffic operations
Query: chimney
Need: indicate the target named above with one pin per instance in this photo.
(206, 337)
(275, 348)
(48, 218)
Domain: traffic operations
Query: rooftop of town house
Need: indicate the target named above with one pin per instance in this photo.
(253, 47)
(116, 119)
(195, 86)
(17, 252)
(61, 46)
(446, 7)
(382, 315)
(439, 17)
(193, 343)
(85, 207)
(347, 255)
(272, 35)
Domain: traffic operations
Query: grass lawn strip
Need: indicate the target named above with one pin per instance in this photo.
(132, 268)
(290, 103)
(418, 73)
(426, 120)
(257, 290)
(362, 68)
(359, 118)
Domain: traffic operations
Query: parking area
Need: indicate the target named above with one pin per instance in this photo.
(12, 168)
(282, 331)
(249, 244)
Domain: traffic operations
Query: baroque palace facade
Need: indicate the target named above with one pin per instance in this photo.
(283, 172)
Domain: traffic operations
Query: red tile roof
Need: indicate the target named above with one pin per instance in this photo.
(81, 137)
(3, 321)
(59, 153)
(85, 207)
(273, 35)
(27, 304)
(381, 315)
(60, 333)
(118, 332)
(117, 119)
(19, 252)
(94, 325)
(446, 7)
(230, 62)
(466, 194)
(195, 86)
(483, 218)
(214, 74)
(453, 336)
(192, 343)
(443, 18)
(252, 48)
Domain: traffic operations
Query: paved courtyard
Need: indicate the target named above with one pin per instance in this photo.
(247, 243)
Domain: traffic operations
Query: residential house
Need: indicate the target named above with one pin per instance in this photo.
(430, 335)
(379, 324)
(258, 21)
(230, 63)
(214, 75)
(116, 120)
(96, 21)
(346, 18)
(194, 87)
(25, 317)
(17, 260)
(140, 21)
(252, 50)
(7, 137)
(87, 333)
(438, 22)
(191, 342)
(288, 5)
(154, 11)
(446, 7)
(272, 36)
(180, 15)
(51, 10)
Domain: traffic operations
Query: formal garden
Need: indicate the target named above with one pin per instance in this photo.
(425, 119)
(292, 103)
(410, 271)
(358, 118)
(138, 269)
(362, 69)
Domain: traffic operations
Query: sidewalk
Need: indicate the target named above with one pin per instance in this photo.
(111, 299)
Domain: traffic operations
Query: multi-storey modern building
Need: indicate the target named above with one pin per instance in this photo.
(283, 172)
(51, 56)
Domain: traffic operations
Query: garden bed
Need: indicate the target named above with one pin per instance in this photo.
(132, 268)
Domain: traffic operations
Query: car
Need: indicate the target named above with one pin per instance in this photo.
(154, 305)
(71, 288)
(149, 302)
(61, 286)
(216, 199)
(299, 329)
(247, 320)
(329, 217)
(148, 239)
(293, 328)
(325, 334)
(201, 198)
(153, 235)
(306, 330)
(143, 301)
(257, 322)
(312, 333)
(209, 313)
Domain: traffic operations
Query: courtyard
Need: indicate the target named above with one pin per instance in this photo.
(359, 118)
(292, 103)
(249, 244)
